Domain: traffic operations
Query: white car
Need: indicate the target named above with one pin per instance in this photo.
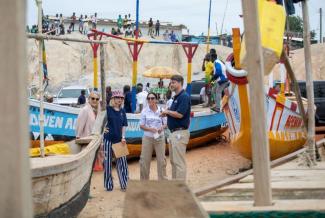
(69, 95)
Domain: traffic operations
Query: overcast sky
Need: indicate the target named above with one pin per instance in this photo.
(192, 13)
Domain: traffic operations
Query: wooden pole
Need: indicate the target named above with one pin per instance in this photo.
(41, 77)
(309, 85)
(260, 144)
(60, 38)
(102, 75)
(296, 88)
(15, 182)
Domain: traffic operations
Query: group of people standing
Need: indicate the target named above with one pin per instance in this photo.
(216, 80)
(155, 122)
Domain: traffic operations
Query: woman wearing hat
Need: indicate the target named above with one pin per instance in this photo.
(115, 133)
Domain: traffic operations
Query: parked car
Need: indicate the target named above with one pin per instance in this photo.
(197, 85)
(68, 96)
(319, 99)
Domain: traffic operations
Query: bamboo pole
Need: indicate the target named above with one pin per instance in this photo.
(102, 75)
(309, 85)
(59, 38)
(41, 77)
(16, 195)
(259, 140)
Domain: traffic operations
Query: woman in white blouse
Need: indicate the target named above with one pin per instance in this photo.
(153, 138)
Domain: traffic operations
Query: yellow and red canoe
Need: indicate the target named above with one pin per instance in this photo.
(284, 122)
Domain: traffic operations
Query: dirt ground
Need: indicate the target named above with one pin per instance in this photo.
(205, 165)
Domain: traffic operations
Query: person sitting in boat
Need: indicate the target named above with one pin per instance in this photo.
(220, 79)
(87, 116)
(115, 133)
(153, 138)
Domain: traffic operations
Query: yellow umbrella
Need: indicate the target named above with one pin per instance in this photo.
(160, 72)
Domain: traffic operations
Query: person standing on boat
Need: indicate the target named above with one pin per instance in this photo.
(220, 78)
(207, 67)
(128, 99)
(153, 138)
(178, 121)
(115, 133)
(87, 116)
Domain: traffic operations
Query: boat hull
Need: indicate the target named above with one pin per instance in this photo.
(286, 133)
(61, 183)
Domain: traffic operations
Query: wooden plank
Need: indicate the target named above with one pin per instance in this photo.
(15, 198)
(165, 199)
(279, 205)
(277, 194)
(259, 136)
(282, 185)
(213, 186)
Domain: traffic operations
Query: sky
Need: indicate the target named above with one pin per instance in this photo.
(191, 13)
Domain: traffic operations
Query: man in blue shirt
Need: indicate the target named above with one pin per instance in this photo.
(220, 78)
(82, 97)
(178, 121)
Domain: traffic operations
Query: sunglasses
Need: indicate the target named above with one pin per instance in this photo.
(95, 99)
(151, 98)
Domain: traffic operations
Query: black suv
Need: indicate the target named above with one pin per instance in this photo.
(319, 98)
(195, 91)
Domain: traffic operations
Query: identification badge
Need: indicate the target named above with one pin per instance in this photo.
(156, 135)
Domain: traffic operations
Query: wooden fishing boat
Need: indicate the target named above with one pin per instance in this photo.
(60, 121)
(61, 183)
(284, 122)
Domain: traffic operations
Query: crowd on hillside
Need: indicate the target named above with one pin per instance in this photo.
(125, 26)
(55, 25)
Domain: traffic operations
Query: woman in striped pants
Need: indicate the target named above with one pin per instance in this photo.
(115, 133)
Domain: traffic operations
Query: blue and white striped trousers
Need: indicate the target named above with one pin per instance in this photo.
(121, 167)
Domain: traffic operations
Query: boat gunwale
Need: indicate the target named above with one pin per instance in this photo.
(63, 163)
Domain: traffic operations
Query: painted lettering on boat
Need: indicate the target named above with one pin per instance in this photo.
(54, 121)
(133, 126)
(293, 122)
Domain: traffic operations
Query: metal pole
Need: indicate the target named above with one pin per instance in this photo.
(320, 25)
(208, 39)
(259, 138)
(309, 85)
(41, 76)
(135, 59)
(102, 75)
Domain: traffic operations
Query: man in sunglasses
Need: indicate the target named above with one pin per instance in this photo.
(178, 121)
(87, 116)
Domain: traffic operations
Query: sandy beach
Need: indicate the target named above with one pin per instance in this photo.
(205, 165)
